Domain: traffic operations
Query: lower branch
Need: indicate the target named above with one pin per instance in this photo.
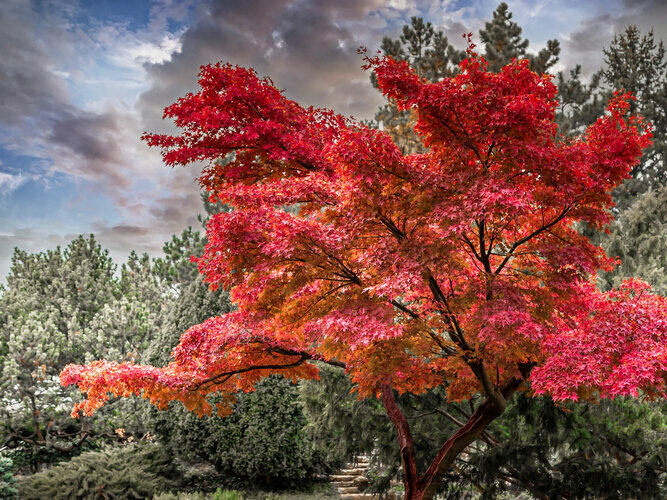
(424, 487)
(408, 456)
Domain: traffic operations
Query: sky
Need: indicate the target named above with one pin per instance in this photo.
(80, 81)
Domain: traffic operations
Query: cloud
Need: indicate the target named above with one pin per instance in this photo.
(61, 84)
(585, 43)
(307, 48)
(9, 183)
(28, 83)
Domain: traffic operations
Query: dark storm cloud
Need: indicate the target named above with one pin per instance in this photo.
(584, 45)
(91, 141)
(306, 47)
(26, 85)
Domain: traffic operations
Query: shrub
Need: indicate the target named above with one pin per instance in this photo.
(132, 471)
(7, 481)
(262, 442)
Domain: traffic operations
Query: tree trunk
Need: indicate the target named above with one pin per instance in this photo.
(423, 487)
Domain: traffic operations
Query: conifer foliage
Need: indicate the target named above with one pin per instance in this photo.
(65, 306)
(502, 41)
(636, 63)
(458, 267)
(134, 471)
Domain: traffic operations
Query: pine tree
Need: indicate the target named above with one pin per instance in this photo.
(636, 63)
(50, 300)
(580, 103)
(639, 239)
(502, 43)
(64, 306)
(175, 267)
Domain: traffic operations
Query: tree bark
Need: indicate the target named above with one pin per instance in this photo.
(424, 487)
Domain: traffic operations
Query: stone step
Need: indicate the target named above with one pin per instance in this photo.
(343, 477)
(343, 484)
(354, 472)
(350, 481)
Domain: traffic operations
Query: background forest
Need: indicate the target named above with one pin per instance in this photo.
(74, 305)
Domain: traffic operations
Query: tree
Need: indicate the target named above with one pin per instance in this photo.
(637, 64)
(639, 238)
(502, 42)
(430, 54)
(175, 267)
(581, 104)
(611, 449)
(66, 306)
(50, 300)
(458, 267)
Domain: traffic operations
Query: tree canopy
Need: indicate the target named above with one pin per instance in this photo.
(459, 266)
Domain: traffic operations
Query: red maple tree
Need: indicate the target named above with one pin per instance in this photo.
(461, 266)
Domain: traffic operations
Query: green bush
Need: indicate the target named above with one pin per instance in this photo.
(7, 481)
(132, 471)
(263, 441)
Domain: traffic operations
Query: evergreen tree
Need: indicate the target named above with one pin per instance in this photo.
(639, 239)
(66, 306)
(580, 103)
(614, 449)
(175, 267)
(632, 63)
(50, 300)
(502, 43)
(636, 63)
(429, 52)
(426, 49)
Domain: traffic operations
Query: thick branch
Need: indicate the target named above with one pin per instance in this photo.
(408, 456)
(491, 390)
(486, 413)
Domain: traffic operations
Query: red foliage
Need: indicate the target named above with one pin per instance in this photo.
(460, 266)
